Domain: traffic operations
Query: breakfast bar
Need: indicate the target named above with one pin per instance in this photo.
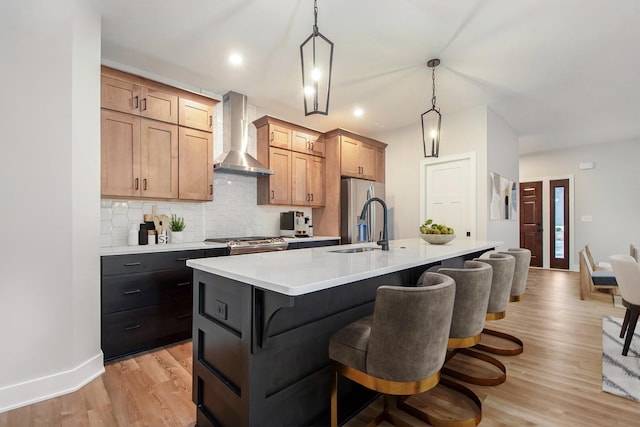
(262, 324)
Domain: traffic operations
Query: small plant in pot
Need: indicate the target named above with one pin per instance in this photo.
(176, 225)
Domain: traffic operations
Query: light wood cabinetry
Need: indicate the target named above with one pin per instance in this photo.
(195, 165)
(196, 115)
(358, 158)
(307, 183)
(132, 98)
(279, 136)
(156, 140)
(138, 157)
(293, 153)
(306, 143)
(380, 162)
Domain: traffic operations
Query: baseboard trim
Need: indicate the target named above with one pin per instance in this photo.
(26, 393)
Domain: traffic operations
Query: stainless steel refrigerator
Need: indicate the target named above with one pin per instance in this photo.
(353, 195)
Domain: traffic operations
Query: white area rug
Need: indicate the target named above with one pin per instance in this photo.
(620, 374)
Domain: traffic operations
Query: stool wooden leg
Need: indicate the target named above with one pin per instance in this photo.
(334, 399)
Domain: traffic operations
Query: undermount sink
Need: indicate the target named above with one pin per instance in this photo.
(355, 250)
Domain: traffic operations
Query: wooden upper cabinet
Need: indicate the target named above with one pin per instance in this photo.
(158, 105)
(279, 136)
(195, 165)
(316, 180)
(380, 164)
(300, 193)
(139, 157)
(132, 98)
(119, 154)
(120, 95)
(357, 159)
(196, 115)
(278, 191)
(307, 143)
(158, 159)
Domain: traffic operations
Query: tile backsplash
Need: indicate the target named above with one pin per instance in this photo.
(233, 212)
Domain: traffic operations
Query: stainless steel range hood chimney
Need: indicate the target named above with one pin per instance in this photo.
(235, 136)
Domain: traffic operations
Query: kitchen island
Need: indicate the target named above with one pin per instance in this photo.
(262, 324)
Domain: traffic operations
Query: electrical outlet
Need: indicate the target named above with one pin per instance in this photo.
(221, 310)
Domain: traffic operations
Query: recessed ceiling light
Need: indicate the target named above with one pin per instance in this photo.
(235, 58)
(358, 112)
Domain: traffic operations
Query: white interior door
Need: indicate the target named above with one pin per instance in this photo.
(448, 193)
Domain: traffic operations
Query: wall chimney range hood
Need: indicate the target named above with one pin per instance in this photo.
(235, 137)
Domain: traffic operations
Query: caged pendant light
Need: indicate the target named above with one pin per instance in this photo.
(316, 56)
(431, 118)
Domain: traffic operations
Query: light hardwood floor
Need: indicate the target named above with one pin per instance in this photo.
(555, 382)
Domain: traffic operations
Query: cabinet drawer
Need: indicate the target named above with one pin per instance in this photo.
(124, 292)
(141, 329)
(138, 263)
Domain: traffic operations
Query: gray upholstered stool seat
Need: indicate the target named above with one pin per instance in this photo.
(520, 273)
(400, 349)
(501, 282)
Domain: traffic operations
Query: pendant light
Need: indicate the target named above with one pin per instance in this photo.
(431, 118)
(316, 56)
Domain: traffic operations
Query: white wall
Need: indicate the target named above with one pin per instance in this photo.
(609, 193)
(502, 158)
(49, 187)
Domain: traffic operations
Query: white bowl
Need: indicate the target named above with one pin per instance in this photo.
(438, 239)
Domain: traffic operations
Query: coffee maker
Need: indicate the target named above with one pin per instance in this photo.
(293, 224)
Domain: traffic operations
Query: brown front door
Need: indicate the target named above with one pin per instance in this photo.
(559, 224)
(531, 220)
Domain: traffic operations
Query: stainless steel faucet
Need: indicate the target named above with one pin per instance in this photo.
(385, 240)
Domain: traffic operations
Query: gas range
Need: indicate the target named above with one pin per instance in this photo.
(251, 244)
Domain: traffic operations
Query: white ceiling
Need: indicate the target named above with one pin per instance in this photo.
(560, 72)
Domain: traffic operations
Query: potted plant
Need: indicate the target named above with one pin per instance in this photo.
(176, 225)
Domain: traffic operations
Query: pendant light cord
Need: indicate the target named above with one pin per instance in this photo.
(433, 87)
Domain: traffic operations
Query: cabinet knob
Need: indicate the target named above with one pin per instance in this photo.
(210, 120)
(137, 183)
(210, 188)
(131, 264)
(130, 328)
(144, 184)
(135, 98)
(272, 136)
(135, 291)
(273, 194)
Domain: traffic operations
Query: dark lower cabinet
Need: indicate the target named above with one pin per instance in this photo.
(313, 244)
(146, 300)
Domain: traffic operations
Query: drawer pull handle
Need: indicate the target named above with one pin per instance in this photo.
(131, 264)
(183, 316)
(137, 291)
(183, 284)
(130, 328)
(183, 259)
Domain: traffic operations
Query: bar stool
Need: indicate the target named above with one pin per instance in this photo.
(400, 349)
(473, 286)
(520, 273)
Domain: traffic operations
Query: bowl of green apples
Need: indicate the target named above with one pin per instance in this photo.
(436, 234)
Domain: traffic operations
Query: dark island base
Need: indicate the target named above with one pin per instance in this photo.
(260, 358)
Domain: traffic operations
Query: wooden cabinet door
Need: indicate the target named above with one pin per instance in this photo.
(279, 136)
(195, 114)
(316, 180)
(158, 105)
(120, 95)
(159, 159)
(195, 167)
(119, 154)
(367, 155)
(349, 161)
(306, 143)
(280, 181)
(380, 171)
(300, 166)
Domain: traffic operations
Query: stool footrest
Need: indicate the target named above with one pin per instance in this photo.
(424, 407)
(498, 350)
(487, 381)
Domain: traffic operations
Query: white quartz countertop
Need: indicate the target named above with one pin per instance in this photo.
(139, 249)
(304, 271)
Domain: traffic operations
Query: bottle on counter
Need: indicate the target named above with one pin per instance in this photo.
(151, 237)
(133, 235)
(143, 238)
